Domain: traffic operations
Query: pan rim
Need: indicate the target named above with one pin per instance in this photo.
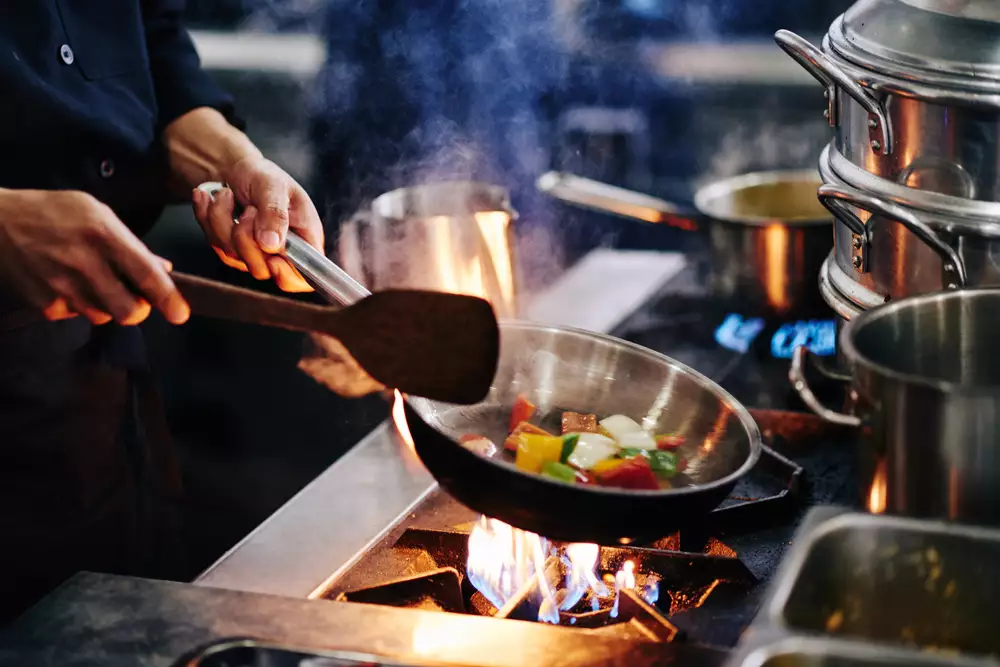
(746, 421)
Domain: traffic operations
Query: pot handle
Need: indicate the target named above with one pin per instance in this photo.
(836, 197)
(797, 376)
(824, 70)
(594, 195)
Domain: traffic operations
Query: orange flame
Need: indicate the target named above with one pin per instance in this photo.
(488, 273)
(625, 578)
(399, 420)
(407, 448)
(878, 493)
(504, 561)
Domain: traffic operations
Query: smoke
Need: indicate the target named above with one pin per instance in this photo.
(764, 145)
(279, 15)
(433, 90)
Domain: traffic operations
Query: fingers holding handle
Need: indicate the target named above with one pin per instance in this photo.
(69, 254)
(256, 241)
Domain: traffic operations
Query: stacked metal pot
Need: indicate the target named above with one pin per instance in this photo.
(912, 177)
(913, 172)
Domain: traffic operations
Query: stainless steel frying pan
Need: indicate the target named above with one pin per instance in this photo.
(560, 369)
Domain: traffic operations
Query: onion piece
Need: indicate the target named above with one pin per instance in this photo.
(638, 440)
(591, 448)
(620, 425)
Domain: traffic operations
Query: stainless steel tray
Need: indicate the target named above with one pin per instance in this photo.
(806, 652)
(252, 653)
(857, 589)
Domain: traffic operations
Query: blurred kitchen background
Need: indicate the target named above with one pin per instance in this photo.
(356, 97)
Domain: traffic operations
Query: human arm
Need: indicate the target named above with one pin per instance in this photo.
(204, 142)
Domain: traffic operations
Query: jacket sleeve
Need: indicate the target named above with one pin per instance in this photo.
(181, 84)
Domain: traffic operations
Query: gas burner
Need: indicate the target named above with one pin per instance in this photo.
(738, 333)
(642, 587)
(661, 591)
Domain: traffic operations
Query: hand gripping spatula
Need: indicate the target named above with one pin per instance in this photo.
(431, 344)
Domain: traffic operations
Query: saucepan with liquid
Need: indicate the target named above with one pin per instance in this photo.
(767, 233)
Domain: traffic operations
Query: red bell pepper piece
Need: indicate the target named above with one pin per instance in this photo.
(669, 442)
(522, 411)
(632, 474)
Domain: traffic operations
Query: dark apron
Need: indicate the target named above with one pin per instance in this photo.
(88, 480)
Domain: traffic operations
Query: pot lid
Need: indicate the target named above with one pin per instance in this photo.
(951, 42)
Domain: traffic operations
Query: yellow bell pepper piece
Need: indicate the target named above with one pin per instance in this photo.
(606, 465)
(534, 451)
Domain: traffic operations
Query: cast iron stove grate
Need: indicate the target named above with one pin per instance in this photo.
(427, 568)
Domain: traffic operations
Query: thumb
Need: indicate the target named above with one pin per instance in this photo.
(271, 221)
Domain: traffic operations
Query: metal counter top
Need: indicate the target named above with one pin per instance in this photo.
(320, 531)
(117, 621)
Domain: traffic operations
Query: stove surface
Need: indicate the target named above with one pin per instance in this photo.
(711, 577)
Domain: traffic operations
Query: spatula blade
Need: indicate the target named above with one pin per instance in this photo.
(430, 344)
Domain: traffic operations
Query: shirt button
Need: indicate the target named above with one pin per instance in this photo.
(66, 53)
(107, 168)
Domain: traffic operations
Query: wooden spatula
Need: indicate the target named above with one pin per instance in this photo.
(431, 344)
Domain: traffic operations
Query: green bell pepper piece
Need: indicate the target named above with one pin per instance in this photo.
(632, 452)
(559, 471)
(662, 462)
(569, 444)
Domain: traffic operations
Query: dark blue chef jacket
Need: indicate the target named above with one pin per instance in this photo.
(86, 88)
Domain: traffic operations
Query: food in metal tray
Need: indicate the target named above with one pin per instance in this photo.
(615, 451)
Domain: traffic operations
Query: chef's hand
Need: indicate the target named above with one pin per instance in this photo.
(273, 203)
(67, 254)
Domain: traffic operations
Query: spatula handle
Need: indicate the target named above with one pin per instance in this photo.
(329, 280)
(228, 302)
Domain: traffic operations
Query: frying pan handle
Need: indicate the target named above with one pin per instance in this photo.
(836, 197)
(797, 376)
(328, 279)
(588, 193)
